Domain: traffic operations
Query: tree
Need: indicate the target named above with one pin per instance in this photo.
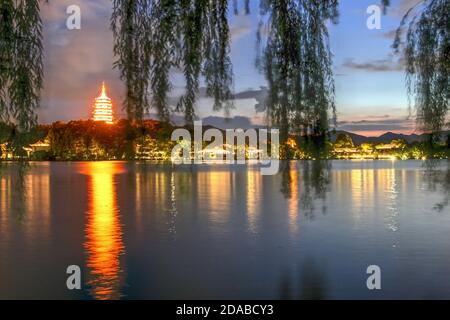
(21, 56)
(399, 144)
(152, 38)
(400, 148)
(5, 132)
(367, 147)
(343, 141)
(297, 63)
(427, 56)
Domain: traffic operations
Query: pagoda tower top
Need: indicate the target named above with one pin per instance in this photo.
(102, 108)
(103, 90)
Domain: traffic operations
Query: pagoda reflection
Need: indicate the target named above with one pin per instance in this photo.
(104, 243)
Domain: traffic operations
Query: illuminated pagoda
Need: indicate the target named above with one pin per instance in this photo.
(103, 108)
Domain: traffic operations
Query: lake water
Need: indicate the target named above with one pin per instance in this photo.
(154, 231)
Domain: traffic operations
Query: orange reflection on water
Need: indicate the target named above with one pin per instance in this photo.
(5, 199)
(293, 200)
(104, 244)
(253, 198)
(216, 189)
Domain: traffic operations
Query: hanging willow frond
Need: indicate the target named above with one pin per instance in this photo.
(127, 25)
(154, 37)
(297, 63)
(7, 40)
(21, 65)
(218, 68)
(246, 7)
(427, 57)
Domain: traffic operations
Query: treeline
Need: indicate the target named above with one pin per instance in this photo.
(434, 146)
(87, 139)
(150, 139)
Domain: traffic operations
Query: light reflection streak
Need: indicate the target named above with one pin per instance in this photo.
(104, 243)
(173, 212)
(215, 189)
(392, 195)
(293, 200)
(253, 200)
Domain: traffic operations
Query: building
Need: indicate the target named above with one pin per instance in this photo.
(5, 152)
(103, 108)
(40, 146)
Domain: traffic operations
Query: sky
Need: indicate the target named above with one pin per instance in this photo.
(371, 96)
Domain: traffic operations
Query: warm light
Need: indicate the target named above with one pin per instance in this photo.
(293, 200)
(291, 143)
(103, 108)
(104, 244)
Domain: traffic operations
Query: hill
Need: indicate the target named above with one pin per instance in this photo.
(386, 137)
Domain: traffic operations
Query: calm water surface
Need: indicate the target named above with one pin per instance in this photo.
(153, 231)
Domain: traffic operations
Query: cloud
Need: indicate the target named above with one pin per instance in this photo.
(260, 95)
(228, 123)
(77, 61)
(381, 65)
(378, 117)
(240, 28)
(236, 122)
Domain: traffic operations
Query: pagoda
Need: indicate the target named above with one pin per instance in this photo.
(103, 108)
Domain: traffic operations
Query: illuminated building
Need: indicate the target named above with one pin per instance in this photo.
(291, 143)
(103, 108)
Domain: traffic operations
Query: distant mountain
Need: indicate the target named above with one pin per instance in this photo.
(228, 123)
(242, 122)
(386, 137)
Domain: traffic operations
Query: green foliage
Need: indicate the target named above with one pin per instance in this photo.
(154, 37)
(399, 143)
(149, 139)
(21, 64)
(343, 141)
(41, 156)
(427, 56)
(89, 140)
(297, 63)
(367, 147)
(5, 132)
(313, 147)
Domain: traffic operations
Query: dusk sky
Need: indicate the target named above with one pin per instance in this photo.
(370, 83)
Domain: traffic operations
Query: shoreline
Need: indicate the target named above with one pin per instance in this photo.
(215, 161)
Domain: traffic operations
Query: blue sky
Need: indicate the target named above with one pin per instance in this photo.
(370, 88)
